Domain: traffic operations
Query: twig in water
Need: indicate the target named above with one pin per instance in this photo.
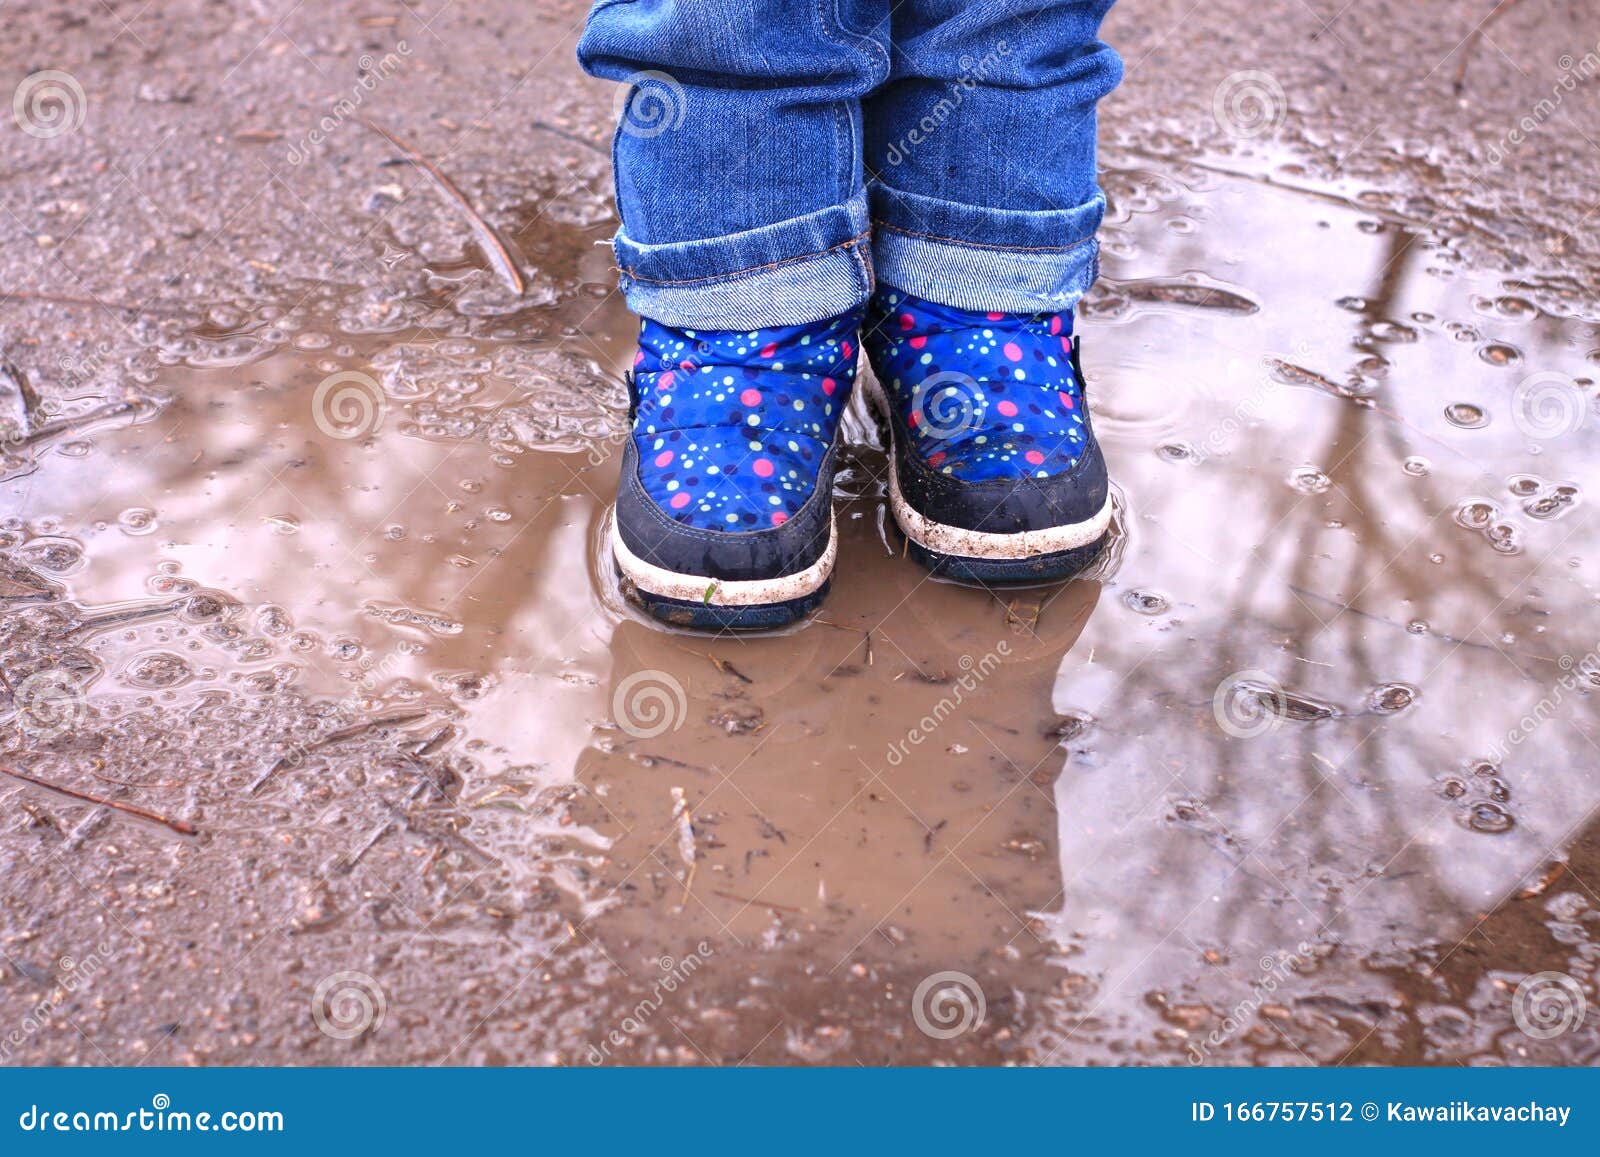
(182, 827)
(339, 736)
(494, 246)
(722, 665)
(1471, 43)
(73, 425)
(866, 635)
(756, 903)
(28, 403)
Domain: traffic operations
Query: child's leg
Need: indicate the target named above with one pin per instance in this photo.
(981, 161)
(738, 155)
(981, 152)
(744, 246)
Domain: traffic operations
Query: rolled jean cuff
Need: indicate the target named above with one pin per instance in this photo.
(1000, 260)
(805, 269)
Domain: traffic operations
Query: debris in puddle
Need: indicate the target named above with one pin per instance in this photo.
(379, 725)
(1543, 880)
(1023, 615)
(494, 246)
(749, 903)
(182, 827)
(738, 720)
(722, 665)
(683, 822)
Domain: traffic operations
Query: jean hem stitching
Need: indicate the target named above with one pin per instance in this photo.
(882, 224)
(734, 275)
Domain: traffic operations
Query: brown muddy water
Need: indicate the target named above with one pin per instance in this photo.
(341, 745)
(1303, 772)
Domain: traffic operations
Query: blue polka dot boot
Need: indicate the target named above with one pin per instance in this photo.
(725, 508)
(996, 476)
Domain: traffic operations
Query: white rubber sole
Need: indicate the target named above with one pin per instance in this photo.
(941, 538)
(693, 588)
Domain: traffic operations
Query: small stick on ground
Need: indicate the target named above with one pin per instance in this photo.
(749, 903)
(73, 425)
(488, 237)
(866, 635)
(722, 665)
(348, 864)
(339, 736)
(161, 783)
(28, 403)
(117, 618)
(1472, 41)
(182, 827)
(41, 818)
(545, 126)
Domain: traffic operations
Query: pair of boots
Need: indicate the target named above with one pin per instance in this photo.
(724, 513)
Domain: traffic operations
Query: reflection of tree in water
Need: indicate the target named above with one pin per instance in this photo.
(1211, 853)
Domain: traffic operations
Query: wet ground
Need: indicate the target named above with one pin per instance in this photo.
(329, 738)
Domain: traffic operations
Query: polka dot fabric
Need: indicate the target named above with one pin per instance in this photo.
(986, 395)
(732, 428)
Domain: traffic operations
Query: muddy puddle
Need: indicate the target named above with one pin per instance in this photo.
(340, 744)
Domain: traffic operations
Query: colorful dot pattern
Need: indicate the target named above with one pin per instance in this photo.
(732, 428)
(986, 395)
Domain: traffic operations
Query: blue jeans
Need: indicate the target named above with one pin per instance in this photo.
(774, 157)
